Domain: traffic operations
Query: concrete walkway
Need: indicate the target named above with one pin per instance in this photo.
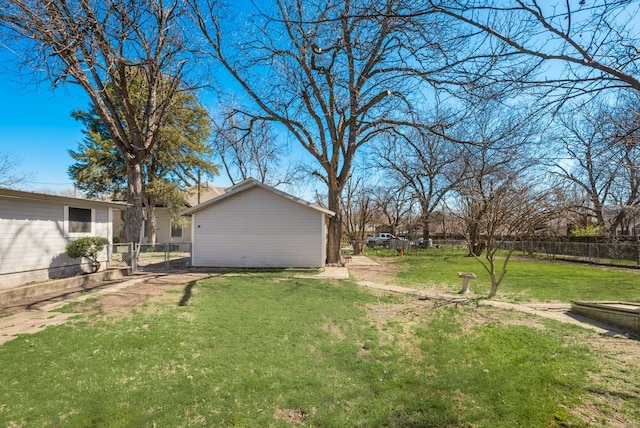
(39, 318)
(34, 320)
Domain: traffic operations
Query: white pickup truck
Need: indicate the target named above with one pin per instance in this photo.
(380, 240)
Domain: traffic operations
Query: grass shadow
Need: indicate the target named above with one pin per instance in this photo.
(188, 292)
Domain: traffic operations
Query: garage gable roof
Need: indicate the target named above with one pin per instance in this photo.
(249, 184)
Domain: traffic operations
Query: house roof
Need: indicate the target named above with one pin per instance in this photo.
(206, 192)
(249, 184)
(44, 197)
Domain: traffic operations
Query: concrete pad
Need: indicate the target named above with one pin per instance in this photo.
(361, 261)
(329, 272)
(29, 322)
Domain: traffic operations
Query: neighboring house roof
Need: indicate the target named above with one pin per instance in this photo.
(248, 184)
(44, 197)
(206, 193)
(191, 195)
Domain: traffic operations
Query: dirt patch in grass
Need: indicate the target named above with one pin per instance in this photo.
(161, 288)
(385, 273)
(292, 416)
(334, 329)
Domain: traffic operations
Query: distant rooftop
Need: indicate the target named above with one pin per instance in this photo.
(206, 193)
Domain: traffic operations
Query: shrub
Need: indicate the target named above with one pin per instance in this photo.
(88, 247)
(587, 230)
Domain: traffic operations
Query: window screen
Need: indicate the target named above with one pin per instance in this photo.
(79, 220)
(176, 231)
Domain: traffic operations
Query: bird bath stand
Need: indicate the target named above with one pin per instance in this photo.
(466, 279)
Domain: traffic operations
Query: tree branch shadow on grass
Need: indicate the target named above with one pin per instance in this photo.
(188, 292)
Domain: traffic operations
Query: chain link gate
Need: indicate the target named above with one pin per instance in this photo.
(151, 257)
(163, 257)
(122, 255)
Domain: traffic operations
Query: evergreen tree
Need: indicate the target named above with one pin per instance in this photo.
(178, 161)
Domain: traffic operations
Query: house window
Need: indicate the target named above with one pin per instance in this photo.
(78, 221)
(176, 231)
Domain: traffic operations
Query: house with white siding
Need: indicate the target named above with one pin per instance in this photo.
(36, 228)
(253, 225)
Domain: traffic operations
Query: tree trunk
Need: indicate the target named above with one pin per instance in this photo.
(151, 223)
(425, 227)
(334, 227)
(617, 221)
(135, 213)
(493, 291)
(476, 246)
(122, 233)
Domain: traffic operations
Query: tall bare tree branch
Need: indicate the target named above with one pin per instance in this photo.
(99, 45)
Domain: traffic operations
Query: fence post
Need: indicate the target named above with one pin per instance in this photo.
(133, 258)
(166, 256)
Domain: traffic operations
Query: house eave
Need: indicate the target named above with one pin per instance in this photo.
(44, 197)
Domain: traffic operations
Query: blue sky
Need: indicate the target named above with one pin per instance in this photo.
(37, 130)
(36, 127)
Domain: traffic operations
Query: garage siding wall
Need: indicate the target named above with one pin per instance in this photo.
(258, 228)
(33, 241)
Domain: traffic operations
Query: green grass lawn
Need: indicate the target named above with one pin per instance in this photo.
(527, 279)
(269, 350)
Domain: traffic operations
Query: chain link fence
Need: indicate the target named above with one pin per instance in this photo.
(614, 253)
(151, 257)
(622, 253)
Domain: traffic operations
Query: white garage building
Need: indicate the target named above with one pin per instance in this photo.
(253, 225)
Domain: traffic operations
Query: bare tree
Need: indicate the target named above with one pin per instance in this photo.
(586, 159)
(357, 205)
(501, 141)
(427, 163)
(251, 149)
(100, 45)
(625, 138)
(600, 158)
(581, 47)
(501, 208)
(9, 176)
(571, 50)
(502, 196)
(392, 204)
(334, 75)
